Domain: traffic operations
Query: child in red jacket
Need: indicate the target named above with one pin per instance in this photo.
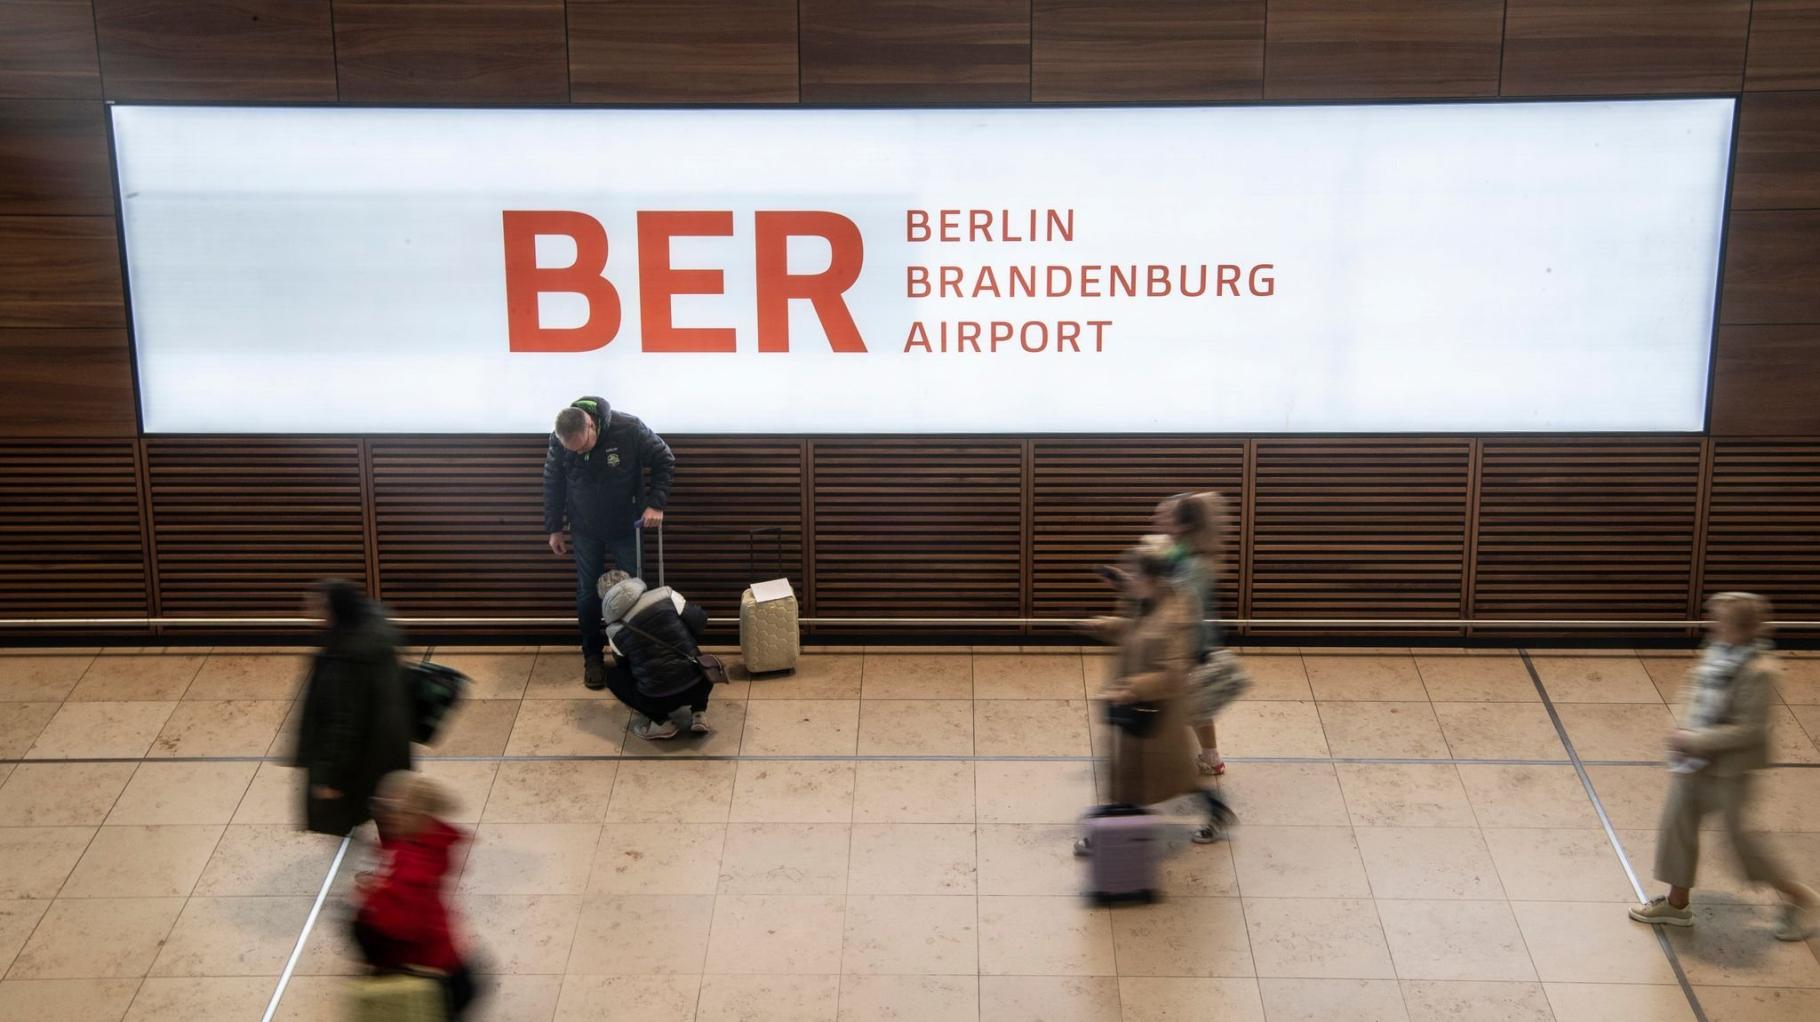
(401, 921)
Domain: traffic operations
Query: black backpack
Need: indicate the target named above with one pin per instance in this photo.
(434, 691)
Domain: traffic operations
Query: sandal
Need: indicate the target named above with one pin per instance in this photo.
(1210, 768)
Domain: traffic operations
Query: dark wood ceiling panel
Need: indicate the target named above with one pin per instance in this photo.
(70, 538)
(1772, 268)
(47, 50)
(915, 50)
(1586, 528)
(58, 271)
(448, 51)
(217, 49)
(1778, 163)
(1763, 524)
(1784, 45)
(1375, 49)
(682, 51)
(1624, 47)
(66, 383)
(53, 158)
(1765, 381)
(1087, 50)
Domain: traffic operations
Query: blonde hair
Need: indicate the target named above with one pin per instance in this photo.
(1204, 523)
(415, 793)
(1751, 612)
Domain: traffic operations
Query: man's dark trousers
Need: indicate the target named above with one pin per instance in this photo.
(590, 563)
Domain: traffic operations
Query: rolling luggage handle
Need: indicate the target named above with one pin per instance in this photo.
(752, 550)
(660, 552)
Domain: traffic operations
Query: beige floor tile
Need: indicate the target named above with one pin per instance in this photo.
(785, 858)
(66, 1000)
(1049, 998)
(329, 949)
(1044, 937)
(671, 792)
(61, 794)
(1383, 730)
(182, 793)
(561, 727)
(1299, 862)
(513, 999)
(1183, 937)
(1476, 679)
(913, 858)
(768, 999)
(914, 792)
(1632, 795)
(524, 934)
(275, 796)
(1590, 942)
(284, 745)
(41, 678)
(557, 675)
(1404, 795)
(781, 792)
(801, 727)
(1364, 678)
(1620, 731)
(143, 862)
(1029, 859)
(815, 677)
(213, 999)
(482, 727)
(1669, 673)
(1278, 678)
(1008, 676)
(628, 999)
(97, 938)
(1596, 679)
(916, 727)
(1808, 719)
(1448, 1001)
(215, 728)
(21, 724)
(233, 937)
(1285, 794)
(1800, 681)
(324, 999)
(927, 935)
(727, 716)
(1031, 727)
(530, 858)
(551, 791)
(267, 860)
(1742, 1004)
(1257, 728)
(642, 935)
(1558, 865)
(1527, 796)
(1455, 940)
(117, 679)
(39, 859)
(105, 730)
(1428, 863)
(776, 935)
(1310, 938)
(468, 784)
(1326, 1000)
(918, 676)
(658, 858)
(1033, 792)
(1499, 731)
(256, 677)
(903, 998)
(18, 918)
(1177, 999)
(493, 675)
(1188, 870)
(1734, 945)
(1785, 800)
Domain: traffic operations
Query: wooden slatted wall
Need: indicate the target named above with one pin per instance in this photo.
(70, 538)
(728, 488)
(1763, 523)
(1587, 528)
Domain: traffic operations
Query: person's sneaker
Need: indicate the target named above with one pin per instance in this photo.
(594, 673)
(698, 723)
(1207, 835)
(656, 730)
(1660, 913)
(1083, 847)
(1794, 922)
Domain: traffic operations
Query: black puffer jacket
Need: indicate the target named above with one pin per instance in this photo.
(603, 491)
(356, 724)
(657, 644)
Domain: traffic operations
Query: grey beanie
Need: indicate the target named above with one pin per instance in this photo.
(618, 601)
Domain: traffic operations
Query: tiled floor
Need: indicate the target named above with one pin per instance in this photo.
(885, 835)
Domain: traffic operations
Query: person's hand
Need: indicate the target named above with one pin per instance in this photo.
(323, 792)
(654, 518)
(1117, 694)
(1677, 741)
(559, 544)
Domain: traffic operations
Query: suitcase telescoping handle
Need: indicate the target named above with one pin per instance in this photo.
(659, 529)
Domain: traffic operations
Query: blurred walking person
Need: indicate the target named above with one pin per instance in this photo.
(1194, 527)
(1723, 741)
(356, 723)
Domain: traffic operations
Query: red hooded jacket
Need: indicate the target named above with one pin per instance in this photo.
(405, 903)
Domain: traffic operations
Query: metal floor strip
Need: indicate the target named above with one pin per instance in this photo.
(303, 939)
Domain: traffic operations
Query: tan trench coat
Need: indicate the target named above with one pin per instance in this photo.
(1156, 652)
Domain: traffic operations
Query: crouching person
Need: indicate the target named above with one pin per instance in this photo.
(401, 920)
(657, 668)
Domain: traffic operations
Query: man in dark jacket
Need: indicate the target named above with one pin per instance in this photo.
(594, 473)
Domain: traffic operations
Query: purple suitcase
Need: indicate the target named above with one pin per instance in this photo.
(1124, 844)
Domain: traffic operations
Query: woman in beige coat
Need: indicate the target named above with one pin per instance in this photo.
(1724, 739)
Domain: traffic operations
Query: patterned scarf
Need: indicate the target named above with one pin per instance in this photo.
(1712, 697)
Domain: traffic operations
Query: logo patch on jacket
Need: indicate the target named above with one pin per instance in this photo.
(612, 459)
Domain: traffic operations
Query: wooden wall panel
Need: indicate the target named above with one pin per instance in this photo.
(682, 51)
(60, 272)
(915, 50)
(460, 528)
(1784, 45)
(53, 158)
(47, 50)
(1765, 383)
(1359, 528)
(1772, 268)
(66, 383)
(1778, 165)
(1586, 528)
(451, 51)
(244, 525)
(217, 49)
(70, 542)
(1091, 499)
(925, 527)
(1147, 50)
(1375, 49)
(1623, 47)
(1763, 524)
